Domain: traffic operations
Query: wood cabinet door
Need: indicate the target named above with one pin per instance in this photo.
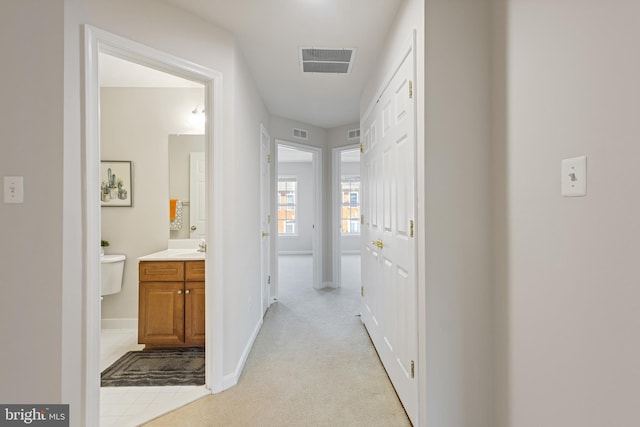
(161, 313)
(194, 313)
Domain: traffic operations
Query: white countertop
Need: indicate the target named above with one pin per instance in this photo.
(174, 255)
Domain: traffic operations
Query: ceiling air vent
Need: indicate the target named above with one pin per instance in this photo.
(333, 61)
(354, 134)
(300, 133)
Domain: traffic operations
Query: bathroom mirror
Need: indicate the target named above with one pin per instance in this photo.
(186, 187)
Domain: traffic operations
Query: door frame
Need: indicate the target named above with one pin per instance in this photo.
(316, 162)
(96, 41)
(269, 255)
(336, 180)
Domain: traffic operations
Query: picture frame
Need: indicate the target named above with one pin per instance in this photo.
(116, 185)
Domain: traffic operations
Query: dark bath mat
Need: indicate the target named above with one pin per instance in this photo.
(156, 368)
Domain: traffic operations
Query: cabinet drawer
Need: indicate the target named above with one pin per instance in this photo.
(194, 270)
(161, 271)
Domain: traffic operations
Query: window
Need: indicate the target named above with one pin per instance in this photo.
(350, 209)
(287, 194)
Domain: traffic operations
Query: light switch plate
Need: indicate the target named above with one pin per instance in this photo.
(573, 177)
(13, 189)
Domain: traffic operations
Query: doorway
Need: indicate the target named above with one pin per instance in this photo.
(346, 213)
(96, 42)
(298, 201)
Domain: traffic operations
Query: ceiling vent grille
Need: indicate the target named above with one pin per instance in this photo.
(354, 134)
(300, 133)
(332, 61)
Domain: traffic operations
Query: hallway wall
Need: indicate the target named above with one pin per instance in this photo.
(31, 259)
(573, 294)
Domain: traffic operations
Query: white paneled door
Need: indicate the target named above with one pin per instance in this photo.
(265, 218)
(197, 202)
(389, 301)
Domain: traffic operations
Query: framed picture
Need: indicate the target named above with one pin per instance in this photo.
(116, 187)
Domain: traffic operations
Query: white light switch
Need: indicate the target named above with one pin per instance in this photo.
(574, 177)
(13, 189)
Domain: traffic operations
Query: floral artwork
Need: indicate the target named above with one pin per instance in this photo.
(115, 183)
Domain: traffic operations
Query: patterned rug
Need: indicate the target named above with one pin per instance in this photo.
(156, 368)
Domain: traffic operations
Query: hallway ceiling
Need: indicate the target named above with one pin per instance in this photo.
(270, 34)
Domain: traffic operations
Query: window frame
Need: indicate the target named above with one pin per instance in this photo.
(348, 193)
(287, 205)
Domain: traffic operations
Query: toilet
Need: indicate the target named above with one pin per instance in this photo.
(111, 271)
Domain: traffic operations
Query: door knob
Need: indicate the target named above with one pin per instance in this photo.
(193, 228)
(377, 243)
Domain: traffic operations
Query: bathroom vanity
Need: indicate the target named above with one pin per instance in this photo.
(171, 300)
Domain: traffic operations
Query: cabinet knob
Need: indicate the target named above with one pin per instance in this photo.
(180, 292)
(193, 228)
(187, 291)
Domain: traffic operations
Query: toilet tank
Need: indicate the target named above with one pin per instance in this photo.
(111, 273)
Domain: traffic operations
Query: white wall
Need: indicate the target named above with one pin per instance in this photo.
(31, 119)
(458, 210)
(302, 243)
(573, 293)
(243, 314)
(135, 126)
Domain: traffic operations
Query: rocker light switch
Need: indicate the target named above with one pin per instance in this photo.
(574, 177)
(13, 189)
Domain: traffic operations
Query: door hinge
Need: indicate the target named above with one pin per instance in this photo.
(362, 291)
(410, 89)
(268, 279)
(268, 219)
(362, 148)
(268, 158)
(361, 219)
(413, 369)
(410, 228)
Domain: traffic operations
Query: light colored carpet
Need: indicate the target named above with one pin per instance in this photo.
(311, 365)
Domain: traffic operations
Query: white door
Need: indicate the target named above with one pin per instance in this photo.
(197, 203)
(265, 217)
(389, 302)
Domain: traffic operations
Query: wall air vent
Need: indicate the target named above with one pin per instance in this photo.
(332, 61)
(354, 134)
(300, 133)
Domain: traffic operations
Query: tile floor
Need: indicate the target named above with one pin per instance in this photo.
(132, 406)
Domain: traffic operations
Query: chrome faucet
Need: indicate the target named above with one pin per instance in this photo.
(202, 246)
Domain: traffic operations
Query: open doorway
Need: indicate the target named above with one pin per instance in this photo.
(298, 215)
(100, 42)
(347, 215)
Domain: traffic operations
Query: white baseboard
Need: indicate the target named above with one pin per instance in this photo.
(119, 323)
(327, 285)
(231, 379)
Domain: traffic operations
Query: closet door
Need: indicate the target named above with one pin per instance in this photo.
(388, 244)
